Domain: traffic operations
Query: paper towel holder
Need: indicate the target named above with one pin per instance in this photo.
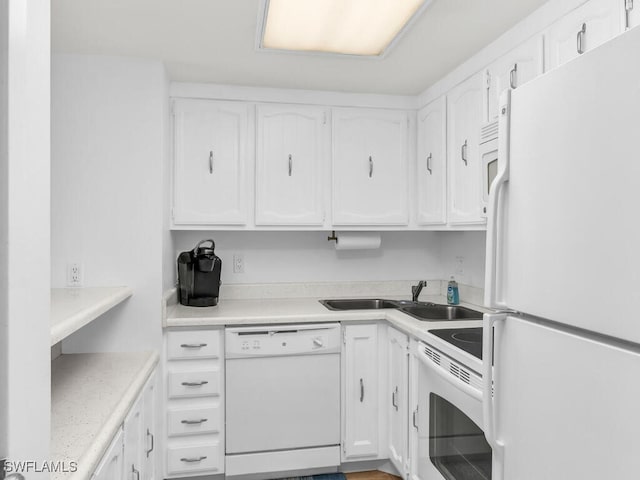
(332, 237)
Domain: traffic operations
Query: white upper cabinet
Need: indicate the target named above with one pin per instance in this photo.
(370, 167)
(585, 28)
(512, 70)
(210, 164)
(431, 164)
(464, 116)
(632, 13)
(292, 145)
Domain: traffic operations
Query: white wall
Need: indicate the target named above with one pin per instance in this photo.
(25, 331)
(462, 254)
(108, 149)
(307, 256)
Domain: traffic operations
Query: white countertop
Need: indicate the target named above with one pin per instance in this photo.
(305, 310)
(73, 308)
(91, 394)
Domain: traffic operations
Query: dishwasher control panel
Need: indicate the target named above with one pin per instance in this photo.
(278, 340)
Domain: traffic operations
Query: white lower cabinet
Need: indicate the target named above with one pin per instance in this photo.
(132, 453)
(110, 467)
(360, 404)
(194, 403)
(418, 439)
(397, 406)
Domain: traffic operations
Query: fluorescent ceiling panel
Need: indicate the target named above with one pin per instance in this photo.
(354, 27)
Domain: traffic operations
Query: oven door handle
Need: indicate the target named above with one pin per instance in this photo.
(477, 394)
(490, 356)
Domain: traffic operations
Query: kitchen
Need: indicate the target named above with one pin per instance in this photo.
(110, 147)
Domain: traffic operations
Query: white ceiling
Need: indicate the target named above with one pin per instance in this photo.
(213, 41)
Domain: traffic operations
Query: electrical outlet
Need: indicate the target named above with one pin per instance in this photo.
(74, 275)
(238, 263)
(460, 266)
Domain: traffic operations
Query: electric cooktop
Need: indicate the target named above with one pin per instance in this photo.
(467, 339)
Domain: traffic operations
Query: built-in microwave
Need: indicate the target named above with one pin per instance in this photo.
(489, 156)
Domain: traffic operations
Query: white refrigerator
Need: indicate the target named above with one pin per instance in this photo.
(562, 401)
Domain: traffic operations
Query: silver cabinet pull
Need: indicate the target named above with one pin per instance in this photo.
(512, 76)
(394, 396)
(193, 345)
(463, 152)
(580, 39)
(290, 164)
(210, 161)
(136, 472)
(194, 384)
(429, 164)
(370, 166)
(361, 391)
(193, 459)
(194, 422)
(415, 414)
(153, 442)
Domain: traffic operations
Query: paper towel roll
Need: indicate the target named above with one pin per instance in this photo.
(358, 240)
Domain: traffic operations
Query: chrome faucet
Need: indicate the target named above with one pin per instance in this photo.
(416, 289)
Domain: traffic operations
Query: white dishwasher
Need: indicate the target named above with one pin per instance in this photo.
(282, 398)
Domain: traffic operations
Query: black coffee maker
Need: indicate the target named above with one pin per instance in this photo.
(199, 276)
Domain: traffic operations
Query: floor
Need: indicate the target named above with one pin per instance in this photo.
(373, 475)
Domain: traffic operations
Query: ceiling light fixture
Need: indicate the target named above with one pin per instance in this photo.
(350, 27)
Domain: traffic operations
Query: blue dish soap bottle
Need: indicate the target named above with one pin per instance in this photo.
(453, 296)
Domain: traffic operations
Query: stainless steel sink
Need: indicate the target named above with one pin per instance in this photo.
(360, 304)
(441, 312)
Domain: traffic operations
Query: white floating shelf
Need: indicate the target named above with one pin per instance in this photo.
(73, 308)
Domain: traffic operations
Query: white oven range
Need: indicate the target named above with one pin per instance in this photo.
(448, 421)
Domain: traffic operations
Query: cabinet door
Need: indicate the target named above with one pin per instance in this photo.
(150, 428)
(370, 167)
(134, 442)
(523, 63)
(210, 185)
(291, 151)
(431, 167)
(464, 105)
(414, 412)
(632, 13)
(110, 467)
(583, 29)
(398, 401)
(360, 356)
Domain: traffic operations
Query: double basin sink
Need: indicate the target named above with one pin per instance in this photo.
(420, 310)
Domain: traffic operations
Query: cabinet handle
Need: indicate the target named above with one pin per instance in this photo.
(193, 459)
(136, 472)
(429, 164)
(415, 414)
(580, 38)
(195, 384)
(463, 152)
(210, 161)
(512, 76)
(628, 6)
(153, 442)
(193, 345)
(370, 166)
(361, 391)
(194, 422)
(394, 396)
(290, 164)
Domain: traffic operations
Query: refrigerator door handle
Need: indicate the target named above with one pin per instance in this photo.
(489, 358)
(493, 211)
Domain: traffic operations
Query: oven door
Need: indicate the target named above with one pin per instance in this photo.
(451, 444)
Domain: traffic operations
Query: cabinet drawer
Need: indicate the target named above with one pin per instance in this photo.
(193, 421)
(193, 344)
(199, 383)
(200, 458)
